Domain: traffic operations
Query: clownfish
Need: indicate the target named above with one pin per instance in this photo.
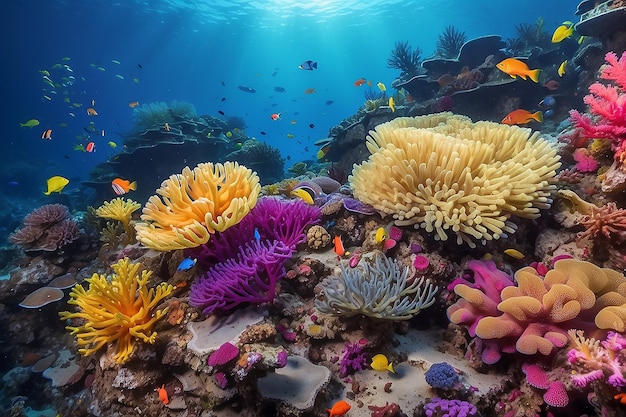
(338, 248)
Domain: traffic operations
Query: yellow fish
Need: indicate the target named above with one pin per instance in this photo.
(381, 87)
(30, 123)
(514, 253)
(392, 104)
(229, 134)
(562, 68)
(380, 363)
(56, 184)
(381, 235)
(291, 135)
(516, 68)
(304, 195)
(112, 144)
(566, 30)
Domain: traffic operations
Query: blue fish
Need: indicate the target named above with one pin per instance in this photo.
(186, 264)
(308, 65)
(257, 235)
(547, 103)
(247, 89)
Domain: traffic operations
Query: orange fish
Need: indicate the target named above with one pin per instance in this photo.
(47, 134)
(621, 397)
(309, 91)
(516, 68)
(133, 104)
(92, 112)
(91, 147)
(339, 249)
(521, 117)
(275, 116)
(339, 408)
(163, 395)
(167, 127)
(122, 186)
(359, 82)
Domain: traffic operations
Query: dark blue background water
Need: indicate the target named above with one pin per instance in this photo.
(187, 49)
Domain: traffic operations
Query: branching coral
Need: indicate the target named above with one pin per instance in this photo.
(607, 223)
(118, 309)
(191, 206)
(595, 360)
(450, 42)
(404, 58)
(381, 289)
(122, 211)
(251, 277)
(534, 315)
(46, 228)
(445, 174)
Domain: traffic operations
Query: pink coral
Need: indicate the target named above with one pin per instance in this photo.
(46, 228)
(584, 161)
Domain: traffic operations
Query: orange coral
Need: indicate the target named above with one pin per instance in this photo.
(607, 222)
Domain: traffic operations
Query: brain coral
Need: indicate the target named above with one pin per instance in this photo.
(444, 173)
(192, 205)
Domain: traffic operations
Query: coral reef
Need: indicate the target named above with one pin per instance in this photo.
(379, 289)
(261, 157)
(191, 206)
(450, 41)
(46, 228)
(405, 58)
(463, 177)
(116, 310)
(122, 211)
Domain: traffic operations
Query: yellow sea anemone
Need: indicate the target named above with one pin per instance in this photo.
(192, 205)
(121, 210)
(118, 309)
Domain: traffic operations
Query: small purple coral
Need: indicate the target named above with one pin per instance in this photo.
(442, 375)
(452, 408)
(224, 354)
(353, 359)
(221, 380)
(281, 359)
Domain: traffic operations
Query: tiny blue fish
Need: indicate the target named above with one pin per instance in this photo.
(547, 103)
(257, 235)
(186, 264)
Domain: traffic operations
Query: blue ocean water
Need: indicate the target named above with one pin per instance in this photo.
(200, 52)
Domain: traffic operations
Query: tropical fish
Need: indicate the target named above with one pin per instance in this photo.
(621, 397)
(47, 97)
(552, 85)
(293, 122)
(291, 135)
(323, 151)
(303, 194)
(280, 89)
(112, 144)
(392, 104)
(186, 264)
(566, 30)
(381, 87)
(166, 127)
(339, 408)
(102, 133)
(329, 102)
(30, 123)
(115, 61)
(44, 72)
(308, 65)
(311, 125)
(514, 253)
(133, 104)
(47, 134)
(516, 68)
(246, 89)
(163, 395)
(275, 116)
(122, 186)
(91, 147)
(121, 77)
(229, 134)
(92, 112)
(521, 116)
(309, 91)
(56, 184)
(562, 68)
(547, 102)
(381, 235)
(380, 363)
(360, 82)
(338, 246)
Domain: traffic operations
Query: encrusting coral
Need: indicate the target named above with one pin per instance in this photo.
(381, 289)
(46, 228)
(118, 309)
(190, 206)
(122, 211)
(445, 174)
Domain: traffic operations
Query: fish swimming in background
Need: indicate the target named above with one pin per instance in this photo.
(56, 184)
(246, 89)
(47, 134)
(309, 91)
(280, 89)
(30, 123)
(92, 112)
(566, 30)
(360, 82)
(112, 144)
(392, 104)
(186, 264)
(133, 104)
(521, 116)
(166, 127)
(339, 409)
(562, 68)
(122, 186)
(552, 85)
(291, 135)
(275, 116)
(516, 68)
(329, 102)
(380, 363)
(91, 147)
(381, 87)
(308, 65)
(547, 102)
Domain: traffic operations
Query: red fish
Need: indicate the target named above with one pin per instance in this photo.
(552, 85)
(163, 395)
(359, 82)
(339, 408)
(91, 147)
(275, 116)
(309, 91)
(521, 116)
(47, 134)
(122, 186)
(92, 112)
(339, 249)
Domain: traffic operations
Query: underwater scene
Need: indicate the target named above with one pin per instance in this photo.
(375, 208)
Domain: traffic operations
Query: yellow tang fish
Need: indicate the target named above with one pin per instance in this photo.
(562, 68)
(380, 363)
(112, 144)
(381, 87)
(304, 195)
(566, 30)
(514, 253)
(381, 235)
(392, 104)
(56, 184)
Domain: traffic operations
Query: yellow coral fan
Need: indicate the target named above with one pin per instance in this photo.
(122, 210)
(445, 173)
(118, 309)
(194, 204)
